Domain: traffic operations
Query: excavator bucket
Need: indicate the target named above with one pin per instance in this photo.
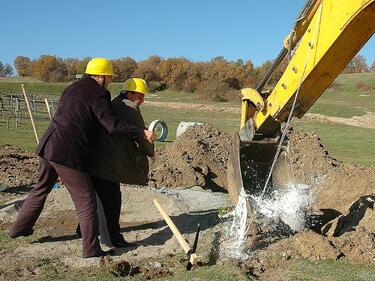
(250, 163)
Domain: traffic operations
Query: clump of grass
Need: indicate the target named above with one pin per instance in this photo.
(9, 244)
(364, 87)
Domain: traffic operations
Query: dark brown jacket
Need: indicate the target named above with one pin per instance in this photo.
(84, 108)
(119, 159)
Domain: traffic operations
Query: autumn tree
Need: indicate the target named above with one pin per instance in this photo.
(147, 69)
(216, 90)
(5, 70)
(49, 68)
(71, 65)
(262, 70)
(81, 65)
(194, 76)
(250, 79)
(229, 73)
(123, 68)
(357, 65)
(22, 65)
(177, 72)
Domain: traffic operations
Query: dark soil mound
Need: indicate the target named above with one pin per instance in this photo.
(17, 167)
(336, 185)
(198, 157)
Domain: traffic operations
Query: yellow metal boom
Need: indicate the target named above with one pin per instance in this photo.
(330, 34)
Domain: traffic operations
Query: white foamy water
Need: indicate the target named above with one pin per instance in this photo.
(288, 204)
(237, 233)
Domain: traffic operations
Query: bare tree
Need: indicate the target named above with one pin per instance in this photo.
(357, 65)
(372, 69)
(5, 70)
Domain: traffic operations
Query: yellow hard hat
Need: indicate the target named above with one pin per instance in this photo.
(135, 85)
(99, 66)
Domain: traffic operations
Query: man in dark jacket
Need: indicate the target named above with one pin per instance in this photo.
(65, 148)
(117, 159)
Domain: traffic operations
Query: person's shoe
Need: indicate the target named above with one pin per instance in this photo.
(25, 233)
(123, 244)
(78, 231)
(101, 254)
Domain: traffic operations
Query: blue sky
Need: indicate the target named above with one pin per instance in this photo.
(195, 29)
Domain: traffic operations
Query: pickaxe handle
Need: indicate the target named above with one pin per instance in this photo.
(185, 246)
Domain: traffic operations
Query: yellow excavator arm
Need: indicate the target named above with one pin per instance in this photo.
(328, 34)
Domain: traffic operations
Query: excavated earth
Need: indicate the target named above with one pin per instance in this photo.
(197, 157)
(185, 176)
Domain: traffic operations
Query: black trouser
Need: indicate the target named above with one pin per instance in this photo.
(82, 193)
(110, 196)
(109, 210)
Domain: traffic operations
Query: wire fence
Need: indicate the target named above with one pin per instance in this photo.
(13, 109)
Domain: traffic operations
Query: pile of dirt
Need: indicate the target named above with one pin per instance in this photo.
(17, 167)
(18, 171)
(336, 185)
(196, 158)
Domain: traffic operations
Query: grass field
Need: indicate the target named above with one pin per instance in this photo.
(350, 95)
(346, 143)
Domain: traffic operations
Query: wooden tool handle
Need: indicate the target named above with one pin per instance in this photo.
(30, 113)
(173, 227)
(48, 109)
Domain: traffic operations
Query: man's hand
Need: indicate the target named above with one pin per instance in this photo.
(150, 136)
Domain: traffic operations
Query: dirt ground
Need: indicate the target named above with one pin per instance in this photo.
(185, 177)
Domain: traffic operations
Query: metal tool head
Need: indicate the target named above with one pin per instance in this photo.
(193, 258)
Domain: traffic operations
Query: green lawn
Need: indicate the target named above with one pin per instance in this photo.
(345, 99)
(300, 270)
(350, 95)
(228, 122)
(346, 143)
(333, 271)
(211, 273)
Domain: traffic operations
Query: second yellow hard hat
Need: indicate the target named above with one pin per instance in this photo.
(135, 85)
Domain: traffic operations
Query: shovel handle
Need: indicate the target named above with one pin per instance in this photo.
(173, 227)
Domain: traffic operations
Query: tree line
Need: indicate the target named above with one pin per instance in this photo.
(216, 79)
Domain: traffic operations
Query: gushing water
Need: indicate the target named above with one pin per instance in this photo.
(238, 229)
(288, 204)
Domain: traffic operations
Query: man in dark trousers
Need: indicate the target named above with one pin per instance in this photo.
(65, 148)
(117, 159)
